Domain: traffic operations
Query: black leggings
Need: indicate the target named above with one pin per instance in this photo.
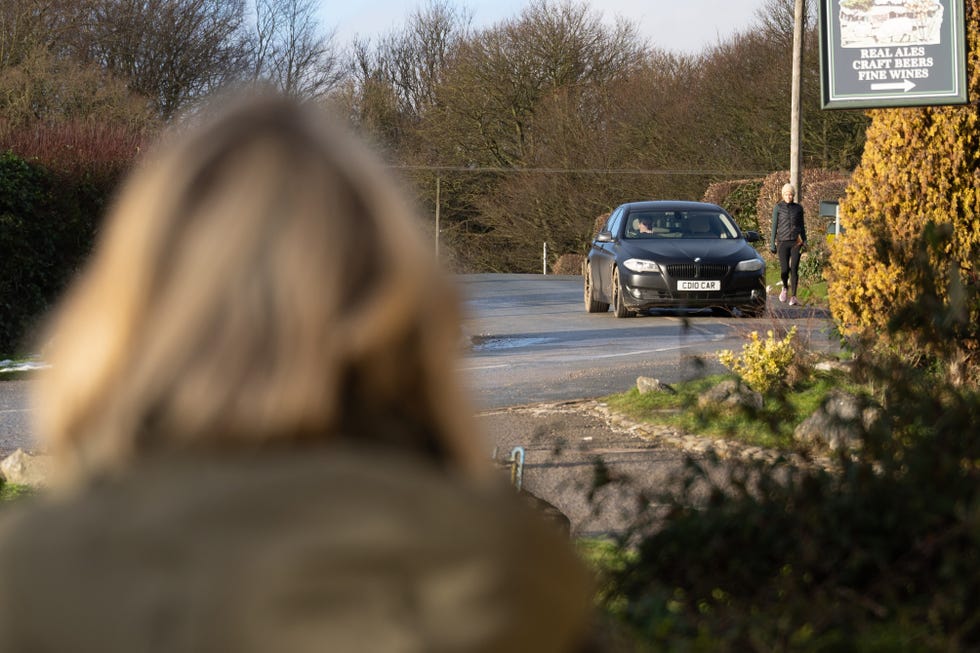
(789, 264)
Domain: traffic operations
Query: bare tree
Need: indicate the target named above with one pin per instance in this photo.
(29, 25)
(44, 88)
(289, 50)
(41, 79)
(502, 74)
(415, 59)
(532, 93)
(395, 82)
(568, 103)
(775, 20)
(370, 99)
(171, 51)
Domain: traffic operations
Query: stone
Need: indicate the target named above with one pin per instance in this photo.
(21, 468)
(839, 424)
(834, 365)
(645, 384)
(730, 394)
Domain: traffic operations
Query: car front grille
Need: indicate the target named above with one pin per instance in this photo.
(697, 270)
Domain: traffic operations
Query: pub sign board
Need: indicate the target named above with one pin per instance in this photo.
(891, 53)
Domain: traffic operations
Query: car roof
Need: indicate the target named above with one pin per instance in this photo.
(670, 205)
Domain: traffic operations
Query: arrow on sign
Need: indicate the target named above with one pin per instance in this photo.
(904, 85)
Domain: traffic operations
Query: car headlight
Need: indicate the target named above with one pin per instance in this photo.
(751, 265)
(640, 265)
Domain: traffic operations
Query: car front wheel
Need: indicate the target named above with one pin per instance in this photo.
(617, 291)
(592, 305)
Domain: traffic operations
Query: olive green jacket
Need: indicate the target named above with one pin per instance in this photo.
(334, 550)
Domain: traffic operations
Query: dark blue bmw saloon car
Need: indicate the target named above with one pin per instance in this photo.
(673, 254)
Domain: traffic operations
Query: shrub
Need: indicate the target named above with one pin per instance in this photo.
(599, 223)
(568, 264)
(42, 86)
(763, 364)
(48, 220)
(12, 492)
(78, 149)
(26, 253)
(878, 555)
(812, 265)
(738, 198)
(912, 221)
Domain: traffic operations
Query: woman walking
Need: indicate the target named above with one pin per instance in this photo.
(788, 240)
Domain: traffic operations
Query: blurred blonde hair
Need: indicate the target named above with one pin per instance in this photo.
(260, 280)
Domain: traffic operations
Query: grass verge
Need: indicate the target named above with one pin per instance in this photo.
(811, 292)
(16, 368)
(770, 427)
(21, 375)
(10, 491)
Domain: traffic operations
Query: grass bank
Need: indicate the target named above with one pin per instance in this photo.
(771, 427)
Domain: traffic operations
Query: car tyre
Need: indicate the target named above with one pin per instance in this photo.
(592, 305)
(617, 291)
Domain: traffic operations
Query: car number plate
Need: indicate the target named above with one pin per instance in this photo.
(698, 284)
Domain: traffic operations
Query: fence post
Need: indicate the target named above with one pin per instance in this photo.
(544, 258)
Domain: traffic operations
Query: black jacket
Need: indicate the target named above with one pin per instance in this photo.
(787, 223)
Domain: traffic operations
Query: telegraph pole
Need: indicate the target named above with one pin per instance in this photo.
(437, 216)
(795, 157)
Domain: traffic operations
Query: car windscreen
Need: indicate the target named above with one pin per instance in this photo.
(680, 224)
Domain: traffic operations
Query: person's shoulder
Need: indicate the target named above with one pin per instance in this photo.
(373, 521)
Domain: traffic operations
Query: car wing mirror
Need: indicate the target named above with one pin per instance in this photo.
(604, 237)
(752, 236)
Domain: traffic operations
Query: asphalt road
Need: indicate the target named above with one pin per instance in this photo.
(15, 429)
(532, 341)
(537, 364)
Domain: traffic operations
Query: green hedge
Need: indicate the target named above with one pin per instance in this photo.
(47, 226)
(738, 198)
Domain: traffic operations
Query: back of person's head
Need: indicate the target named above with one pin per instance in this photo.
(260, 281)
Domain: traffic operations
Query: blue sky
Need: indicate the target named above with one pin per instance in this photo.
(686, 26)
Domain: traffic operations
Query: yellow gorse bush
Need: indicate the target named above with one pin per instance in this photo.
(919, 168)
(763, 364)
